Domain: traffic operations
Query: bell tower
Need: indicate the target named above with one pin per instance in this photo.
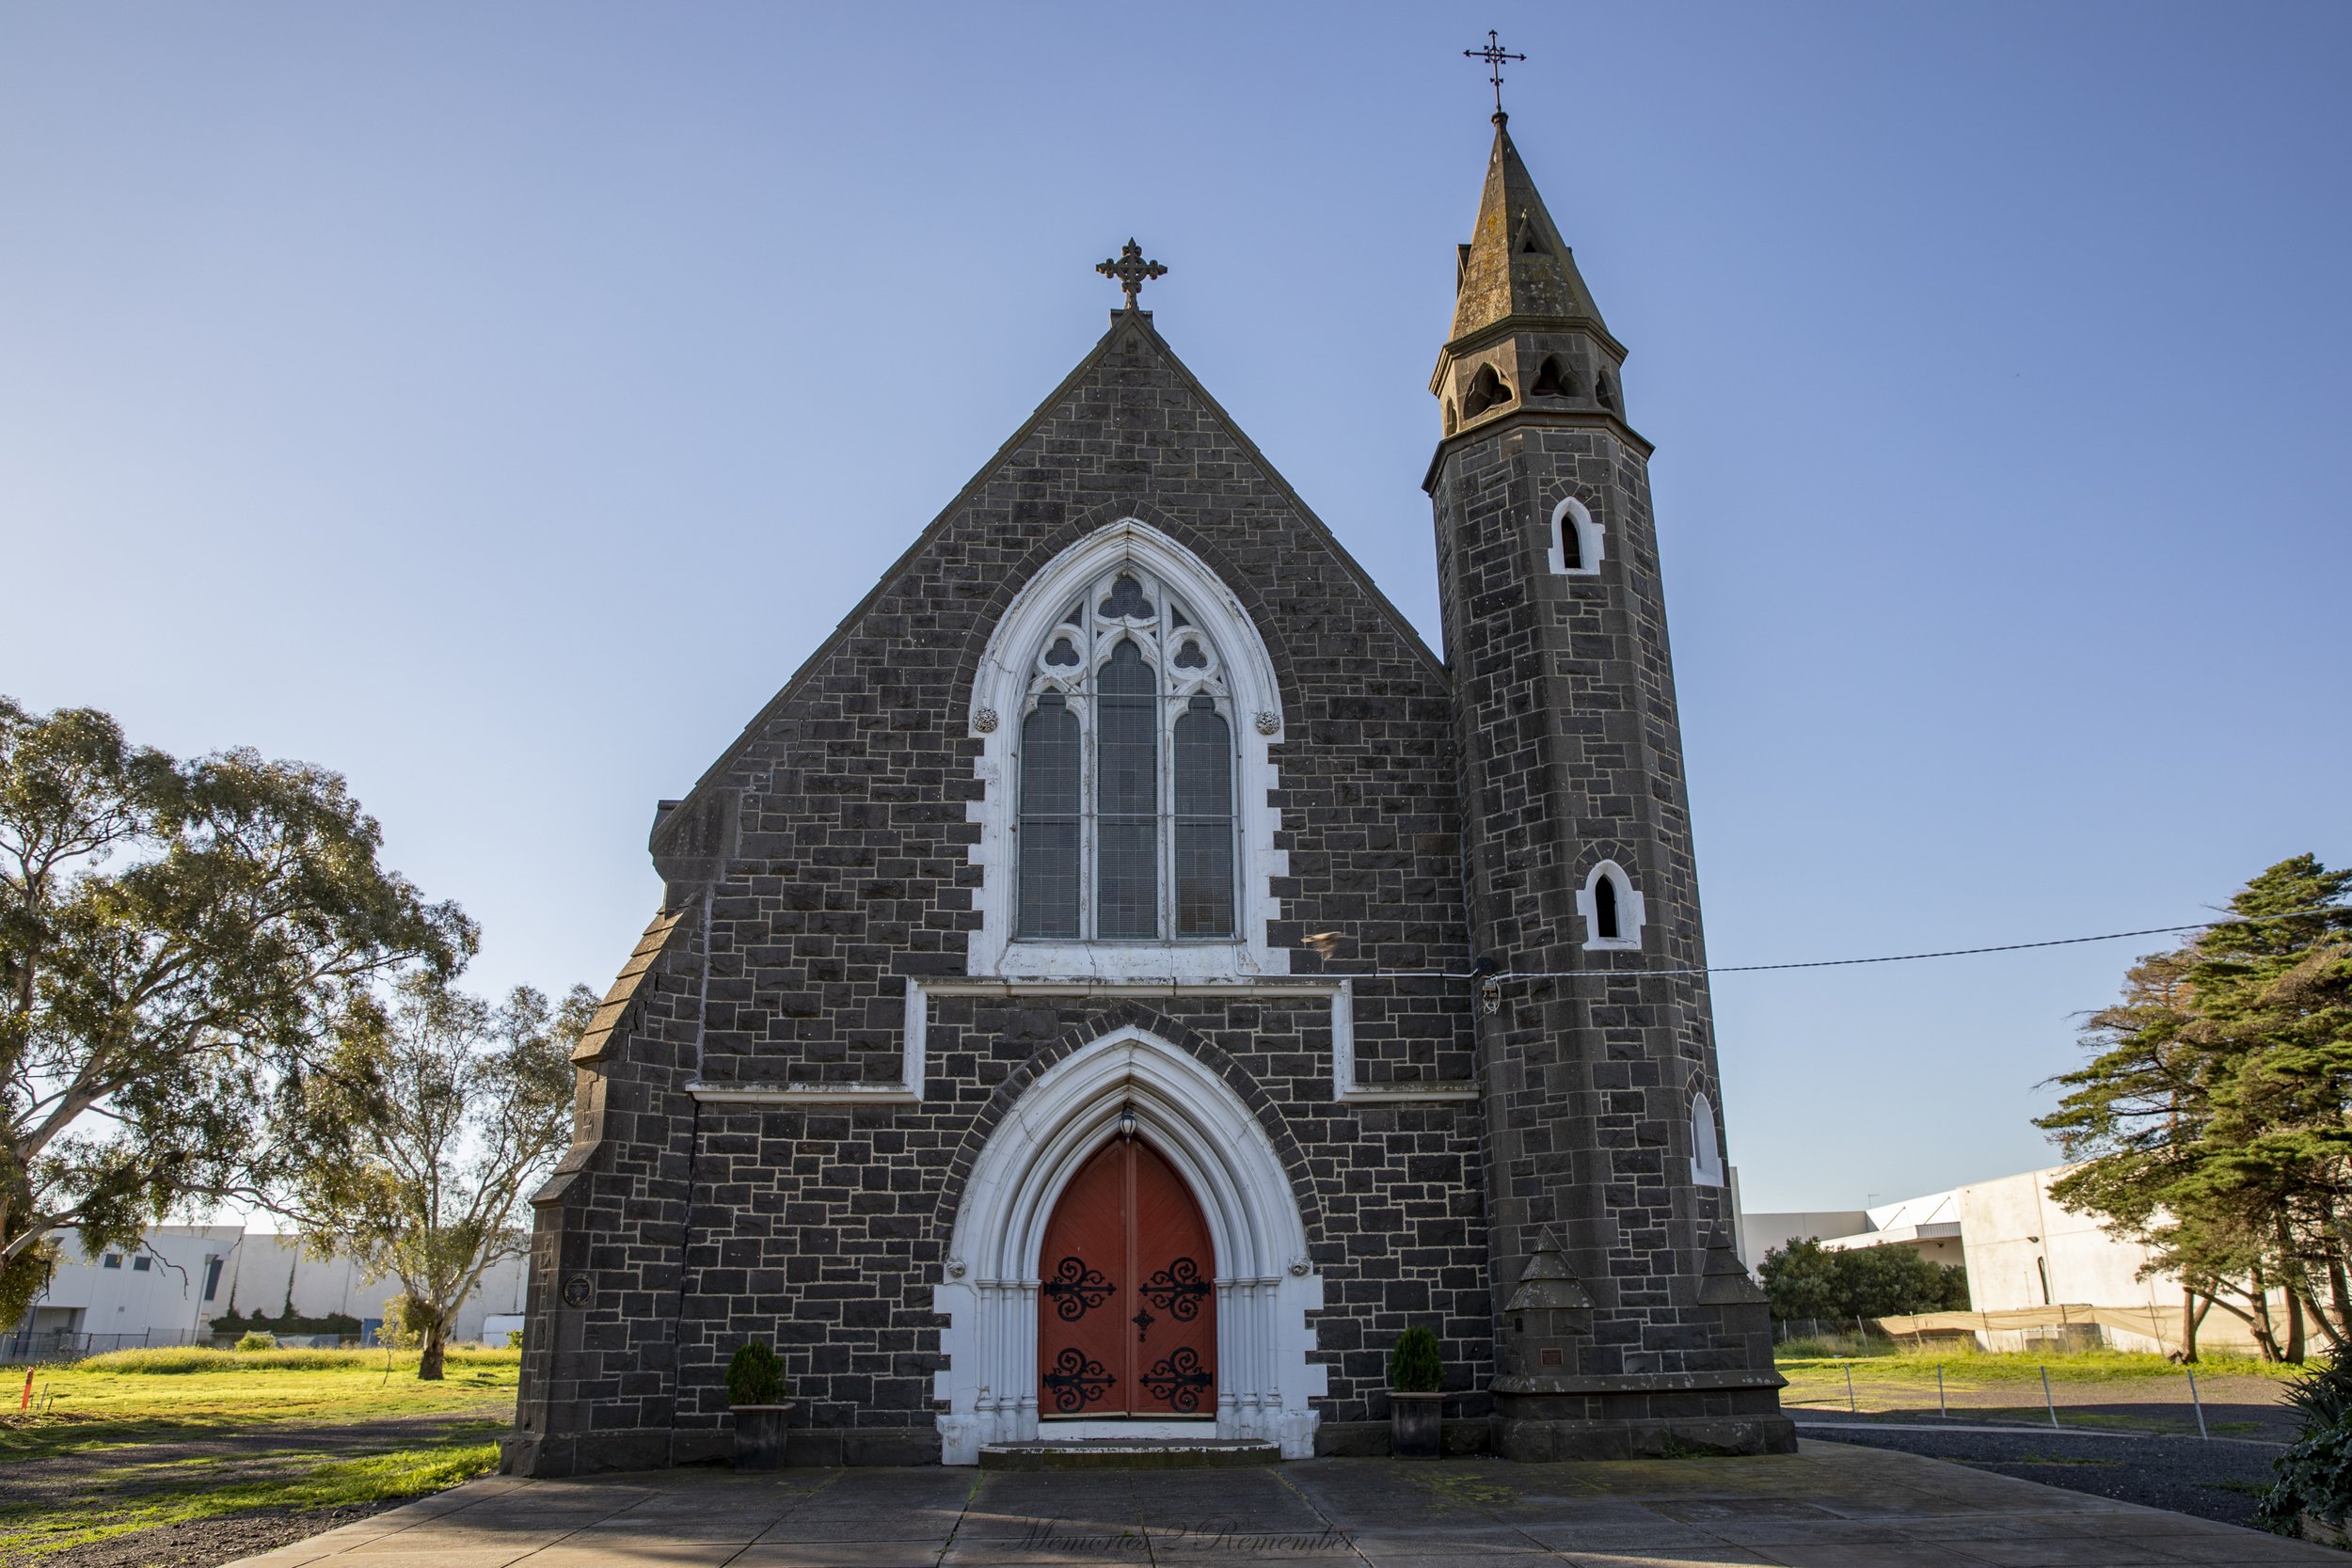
(1624, 1324)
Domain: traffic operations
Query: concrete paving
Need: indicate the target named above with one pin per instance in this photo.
(1829, 1506)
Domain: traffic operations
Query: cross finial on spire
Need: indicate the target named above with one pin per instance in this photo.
(1494, 54)
(1130, 270)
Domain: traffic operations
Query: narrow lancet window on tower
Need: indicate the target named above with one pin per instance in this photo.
(1707, 1158)
(1576, 543)
(1612, 910)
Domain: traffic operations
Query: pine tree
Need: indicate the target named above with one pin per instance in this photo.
(2215, 1118)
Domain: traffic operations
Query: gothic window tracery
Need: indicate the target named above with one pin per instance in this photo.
(1125, 773)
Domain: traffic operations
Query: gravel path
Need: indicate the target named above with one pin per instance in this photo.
(209, 1542)
(2212, 1480)
(66, 1481)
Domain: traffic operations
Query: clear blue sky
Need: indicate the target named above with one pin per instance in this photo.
(496, 403)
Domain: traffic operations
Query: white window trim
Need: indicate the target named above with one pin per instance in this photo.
(1572, 514)
(1707, 1155)
(1000, 700)
(1630, 911)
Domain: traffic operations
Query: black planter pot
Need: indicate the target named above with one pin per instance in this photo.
(759, 1435)
(1415, 1425)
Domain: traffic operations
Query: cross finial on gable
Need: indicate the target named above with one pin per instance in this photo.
(1130, 270)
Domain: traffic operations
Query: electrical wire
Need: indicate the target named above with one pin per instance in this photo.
(1842, 964)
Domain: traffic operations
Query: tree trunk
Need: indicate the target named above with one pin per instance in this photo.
(2340, 1288)
(2255, 1315)
(2325, 1324)
(2295, 1281)
(435, 1341)
(2190, 1319)
(2266, 1333)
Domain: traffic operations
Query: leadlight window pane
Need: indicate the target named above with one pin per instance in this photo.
(1126, 760)
(1204, 822)
(1049, 820)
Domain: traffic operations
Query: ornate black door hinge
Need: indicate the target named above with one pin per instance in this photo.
(1178, 1379)
(1077, 1380)
(1178, 1289)
(1075, 1290)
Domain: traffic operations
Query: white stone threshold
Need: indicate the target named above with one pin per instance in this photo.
(1133, 1429)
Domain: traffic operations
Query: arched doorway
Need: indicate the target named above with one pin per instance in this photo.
(1127, 1318)
(1191, 1117)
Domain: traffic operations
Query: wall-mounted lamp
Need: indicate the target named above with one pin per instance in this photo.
(1127, 1122)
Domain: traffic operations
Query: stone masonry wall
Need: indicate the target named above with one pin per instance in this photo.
(1574, 755)
(830, 864)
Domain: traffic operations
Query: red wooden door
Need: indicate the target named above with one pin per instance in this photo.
(1127, 1306)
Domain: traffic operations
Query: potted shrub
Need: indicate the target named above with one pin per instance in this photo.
(1416, 1409)
(755, 1390)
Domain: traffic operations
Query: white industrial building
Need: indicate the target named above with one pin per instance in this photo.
(183, 1276)
(2026, 1256)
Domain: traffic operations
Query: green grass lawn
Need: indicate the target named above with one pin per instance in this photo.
(205, 1434)
(1983, 1368)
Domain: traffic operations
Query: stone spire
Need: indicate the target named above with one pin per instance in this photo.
(1515, 264)
(1527, 337)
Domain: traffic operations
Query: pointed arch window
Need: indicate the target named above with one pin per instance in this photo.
(1707, 1157)
(1576, 540)
(1125, 773)
(1612, 910)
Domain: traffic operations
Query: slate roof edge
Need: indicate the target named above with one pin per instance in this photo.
(616, 1003)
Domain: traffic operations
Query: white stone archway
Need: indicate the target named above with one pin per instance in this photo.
(1265, 1284)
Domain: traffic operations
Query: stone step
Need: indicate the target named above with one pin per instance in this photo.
(1129, 1454)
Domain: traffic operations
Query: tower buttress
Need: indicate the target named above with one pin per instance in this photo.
(1618, 1329)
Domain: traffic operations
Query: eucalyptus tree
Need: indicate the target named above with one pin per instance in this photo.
(411, 1146)
(173, 936)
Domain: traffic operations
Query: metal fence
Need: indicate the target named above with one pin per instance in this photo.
(2211, 1401)
(26, 1345)
(1950, 1331)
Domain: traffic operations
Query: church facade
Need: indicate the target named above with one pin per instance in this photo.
(1125, 977)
